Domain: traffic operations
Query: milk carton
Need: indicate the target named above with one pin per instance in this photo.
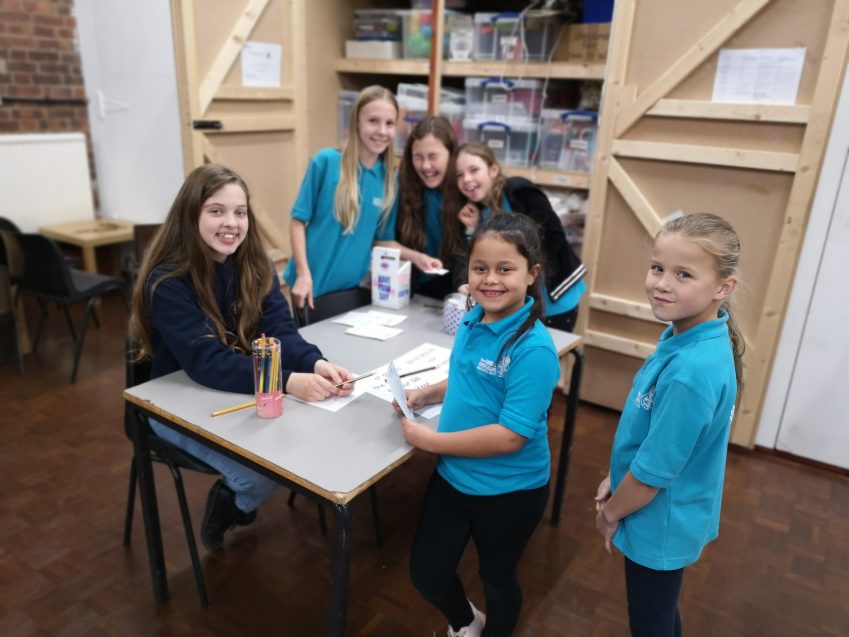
(390, 278)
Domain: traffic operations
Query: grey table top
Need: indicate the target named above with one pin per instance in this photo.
(336, 455)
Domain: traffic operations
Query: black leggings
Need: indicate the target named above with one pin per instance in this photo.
(500, 525)
(653, 600)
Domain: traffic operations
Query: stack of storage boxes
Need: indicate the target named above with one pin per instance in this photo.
(568, 140)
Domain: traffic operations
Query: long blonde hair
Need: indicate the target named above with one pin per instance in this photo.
(717, 237)
(178, 250)
(347, 199)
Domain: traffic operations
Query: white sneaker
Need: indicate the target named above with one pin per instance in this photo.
(475, 629)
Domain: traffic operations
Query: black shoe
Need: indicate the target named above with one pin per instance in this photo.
(221, 515)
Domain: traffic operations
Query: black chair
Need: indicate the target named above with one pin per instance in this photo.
(332, 304)
(327, 306)
(47, 277)
(13, 260)
(143, 234)
(163, 452)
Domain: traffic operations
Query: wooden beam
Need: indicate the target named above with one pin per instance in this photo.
(556, 178)
(623, 307)
(382, 67)
(229, 52)
(243, 124)
(828, 85)
(542, 70)
(300, 82)
(711, 155)
(635, 198)
(704, 109)
(185, 54)
(689, 61)
(618, 344)
(436, 39)
(232, 92)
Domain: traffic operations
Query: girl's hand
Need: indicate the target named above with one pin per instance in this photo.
(416, 434)
(335, 374)
(416, 399)
(469, 216)
(302, 291)
(425, 262)
(310, 387)
(464, 289)
(603, 493)
(606, 528)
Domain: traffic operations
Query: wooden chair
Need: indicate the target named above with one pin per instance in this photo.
(163, 452)
(327, 306)
(48, 277)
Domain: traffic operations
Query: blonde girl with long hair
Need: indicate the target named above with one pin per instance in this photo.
(660, 503)
(346, 203)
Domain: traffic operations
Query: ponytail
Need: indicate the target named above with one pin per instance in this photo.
(738, 347)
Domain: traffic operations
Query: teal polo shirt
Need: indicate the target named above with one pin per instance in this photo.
(673, 435)
(432, 226)
(339, 261)
(514, 391)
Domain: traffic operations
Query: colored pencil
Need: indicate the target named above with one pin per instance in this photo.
(235, 408)
(354, 379)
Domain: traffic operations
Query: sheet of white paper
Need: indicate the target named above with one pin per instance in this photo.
(355, 319)
(373, 330)
(430, 411)
(335, 403)
(424, 356)
(758, 76)
(261, 63)
(398, 392)
(437, 271)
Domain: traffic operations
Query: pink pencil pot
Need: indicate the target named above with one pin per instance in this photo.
(268, 377)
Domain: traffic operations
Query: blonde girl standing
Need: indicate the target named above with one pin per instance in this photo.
(346, 203)
(660, 503)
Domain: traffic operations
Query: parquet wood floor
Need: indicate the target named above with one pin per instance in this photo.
(780, 567)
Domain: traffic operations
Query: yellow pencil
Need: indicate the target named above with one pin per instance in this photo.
(235, 408)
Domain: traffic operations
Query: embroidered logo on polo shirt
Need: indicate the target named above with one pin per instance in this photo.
(645, 401)
(488, 367)
(377, 201)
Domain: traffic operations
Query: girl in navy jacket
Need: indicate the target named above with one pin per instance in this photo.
(206, 289)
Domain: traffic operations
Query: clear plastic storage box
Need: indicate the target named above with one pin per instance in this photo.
(378, 24)
(500, 98)
(417, 29)
(512, 142)
(411, 110)
(568, 140)
(497, 36)
(539, 33)
(346, 101)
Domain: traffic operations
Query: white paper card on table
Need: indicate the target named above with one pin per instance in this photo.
(373, 330)
(758, 76)
(398, 392)
(426, 356)
(355, 318)
(436, 271)
(261, 64)
(334, 403)
(430, 411)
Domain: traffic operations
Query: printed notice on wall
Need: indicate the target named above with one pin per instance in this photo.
(758, 76)
(261, 64)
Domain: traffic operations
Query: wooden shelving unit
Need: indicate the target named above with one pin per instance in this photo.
(382, 67)
(540, 70)
(555, 178)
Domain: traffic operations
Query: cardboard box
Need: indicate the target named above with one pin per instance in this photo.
(390, 278)
(586, 43)
(373, 49)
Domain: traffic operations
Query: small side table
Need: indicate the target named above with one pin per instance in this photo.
(89, 235)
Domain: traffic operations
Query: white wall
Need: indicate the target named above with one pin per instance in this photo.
(129, 71)
(786, 379)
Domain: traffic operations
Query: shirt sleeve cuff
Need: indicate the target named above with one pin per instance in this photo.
(646, 477)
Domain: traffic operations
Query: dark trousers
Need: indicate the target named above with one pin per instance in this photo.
(565, 321)
(500, 526)
(653, 600)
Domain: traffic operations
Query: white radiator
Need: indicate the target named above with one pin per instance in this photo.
(44, 179)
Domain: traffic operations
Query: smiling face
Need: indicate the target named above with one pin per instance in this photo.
(430, 160)
(499, 277)
(376, 129)
(683, 285)
(223, 221)
(474, 177)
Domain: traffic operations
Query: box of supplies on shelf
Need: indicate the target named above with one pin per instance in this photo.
(539, 33)
(346, 102)
(512, 141)
(499, 98)
(417, 29)
(411, 110)
(497, 36)
(568, 140)
(377, 24)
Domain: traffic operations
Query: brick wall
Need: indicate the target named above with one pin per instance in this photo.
(41, 81)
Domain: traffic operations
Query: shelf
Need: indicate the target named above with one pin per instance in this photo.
(553, 70)
(384, 67)
(556, 178)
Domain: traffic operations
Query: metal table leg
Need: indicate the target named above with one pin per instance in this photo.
(340, 571)
(568, 433)
(147, 495)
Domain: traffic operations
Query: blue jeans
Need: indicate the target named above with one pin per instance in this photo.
(251, 488)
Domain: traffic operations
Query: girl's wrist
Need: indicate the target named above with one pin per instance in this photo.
(606, 517)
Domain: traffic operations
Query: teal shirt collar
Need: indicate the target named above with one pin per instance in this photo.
(668, 342)
(507, 324)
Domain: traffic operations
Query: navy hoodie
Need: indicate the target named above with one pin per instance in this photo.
(183, 337)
